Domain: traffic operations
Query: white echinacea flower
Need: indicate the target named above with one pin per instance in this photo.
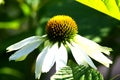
(61, 33)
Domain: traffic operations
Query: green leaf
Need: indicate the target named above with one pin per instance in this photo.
(86, 73)
(10, 25)
(64, 74)
(10, 71)
(25, 8)
(109, 7)
(2, 2)
(77, 73)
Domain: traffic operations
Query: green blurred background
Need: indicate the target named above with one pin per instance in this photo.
(20, 19)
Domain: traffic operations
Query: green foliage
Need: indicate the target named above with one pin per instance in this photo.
(64, 74)
(77, 73)
(1, 2)
(6, 71)
(86, 73)
(109, 7)
(10, 25)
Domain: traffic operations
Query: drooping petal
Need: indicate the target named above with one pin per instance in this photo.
(105, 50)
(91, 45)
(79, 59)
(24, 51)
(39, 63)
(22, 43)
(49, 59)
(94, 50)
(101, 58)
(80, 56)
(61, 57)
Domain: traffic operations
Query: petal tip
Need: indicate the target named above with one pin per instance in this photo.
(45, 70)
(108, 65)
(10, 59)
(8, 50)
(37, 75)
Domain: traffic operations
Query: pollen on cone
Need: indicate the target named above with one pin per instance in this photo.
(61, 28)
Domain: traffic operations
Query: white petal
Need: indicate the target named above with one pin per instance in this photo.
(94, 50)
(24, 51)
(61, 57)
(85, 56)
(39, 63)
(23, 43)
(105, 50)
(50, 58)
(80, 56)
(90, 45)
(101, 58)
